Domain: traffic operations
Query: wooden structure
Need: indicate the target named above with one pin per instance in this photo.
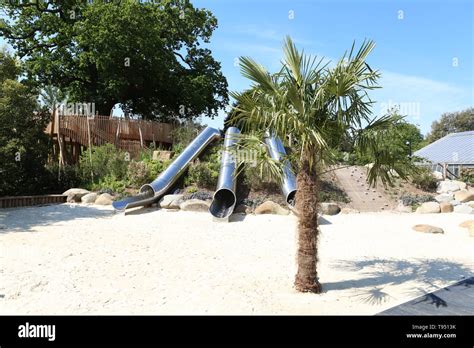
(78, 132)
(24, 201)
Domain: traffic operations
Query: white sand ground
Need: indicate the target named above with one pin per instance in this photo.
(73, 259)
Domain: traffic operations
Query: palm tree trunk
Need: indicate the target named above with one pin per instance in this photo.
(306, 279)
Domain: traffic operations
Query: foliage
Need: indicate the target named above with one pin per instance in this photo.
(329, 192)
(106, 161)
(423, 179)
(414, 200)
(467, 175)
(24, 145)
(70, 176)
(451, 122)
(183, 134)
(147, 56)
(138, 173)
(110, 183)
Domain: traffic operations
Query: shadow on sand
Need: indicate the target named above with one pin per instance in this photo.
(379, 273)
(25, 219)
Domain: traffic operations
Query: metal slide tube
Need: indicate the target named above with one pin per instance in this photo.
(288, 184)
(149, 193)
(223, 202)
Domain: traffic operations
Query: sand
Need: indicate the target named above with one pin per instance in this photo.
(75, 259)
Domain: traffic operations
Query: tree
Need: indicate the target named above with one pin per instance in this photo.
(318, 106)
(451, 122)
(402, 140)
(145, 56)
(24, 145)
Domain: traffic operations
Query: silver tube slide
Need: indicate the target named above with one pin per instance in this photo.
(149, 193)
(288, 184)
(223, 202)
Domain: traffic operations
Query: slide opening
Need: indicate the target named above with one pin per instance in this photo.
(291, 198)
(223, 203)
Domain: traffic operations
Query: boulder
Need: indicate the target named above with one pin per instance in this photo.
(74, 195)
(330, 209)
(427, 229)
(446, 207)
(454, 203)
(89, 198)
(467, 224)
(195, 205)
(270, 207)
(438, 175)
(349, 211)
(444, 197)
(429, 208)
(171, 201)
(463, 209)
(470, 204)
(446, 186)
(104, 199)
(464, 196)
(242, 209)
(462, 185)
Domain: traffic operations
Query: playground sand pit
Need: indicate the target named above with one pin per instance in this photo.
(75, 259)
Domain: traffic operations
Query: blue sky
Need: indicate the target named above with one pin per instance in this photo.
(424, 48)
(417, 49)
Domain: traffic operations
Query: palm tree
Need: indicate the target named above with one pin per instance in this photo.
(319, 106)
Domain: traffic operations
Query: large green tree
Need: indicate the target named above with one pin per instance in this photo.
(318, 106)
(23, 143)
(451, 122)
(146, 56)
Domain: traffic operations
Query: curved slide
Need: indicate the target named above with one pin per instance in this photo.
(150, 193)
(288, 184)
(223, 202)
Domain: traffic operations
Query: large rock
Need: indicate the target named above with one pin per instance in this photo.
(438, 175)
(462, 185)
(454, 203)
(464, 196)
(467, 224)
(448, 186)
(161, 155)
(330, 209)
(470, 204)
(444, 197)
(104, 199)
(401, 208)
(463, 209)
(195, 205)
(429, 208)
(171, 201)
(74, 195)
(427, 229)
(270, 207)
(446, 207)
(89, 198)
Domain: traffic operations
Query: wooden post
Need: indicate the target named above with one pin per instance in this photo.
(90, 146)
(141, 136)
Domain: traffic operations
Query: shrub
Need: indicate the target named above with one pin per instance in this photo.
(106, 161)
(138, 173)
(329, 192)
(70, 176)
(424, 180)
(467, 176)
(413, 200)
(201, 175)
(110, 183)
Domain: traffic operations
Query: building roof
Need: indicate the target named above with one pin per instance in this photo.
(456, 148)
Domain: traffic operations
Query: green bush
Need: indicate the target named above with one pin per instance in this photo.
(415, 200)
(110, 182)
(467, 176)
(424, 180)
(106, 161)
(138, 173)
(70, 176)
(201, 175)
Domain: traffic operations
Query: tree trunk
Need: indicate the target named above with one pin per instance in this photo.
(306, 279)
